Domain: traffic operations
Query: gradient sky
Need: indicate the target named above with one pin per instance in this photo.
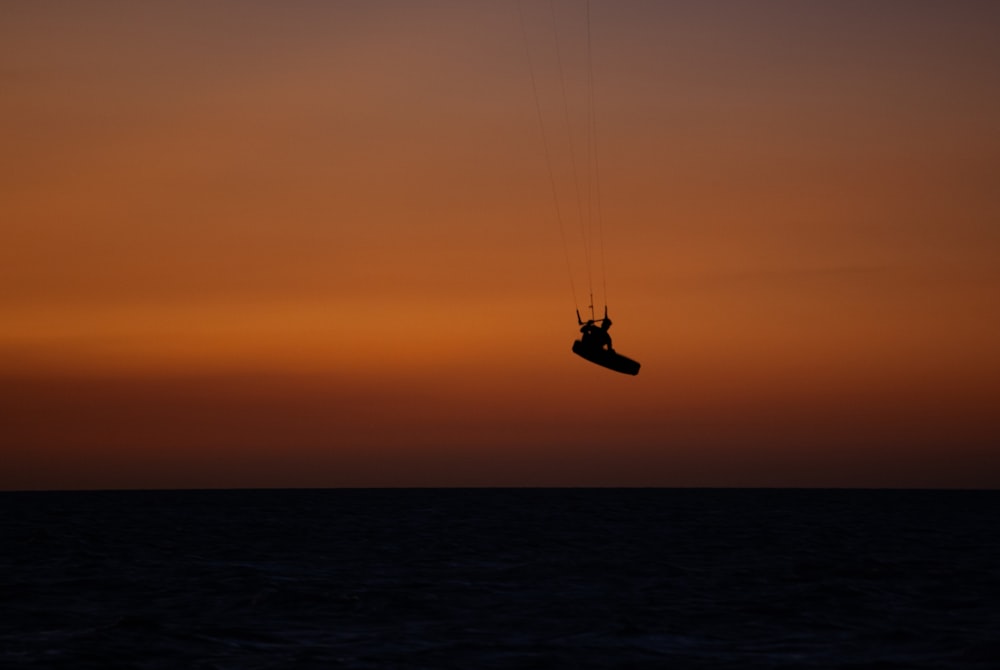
(313, 244)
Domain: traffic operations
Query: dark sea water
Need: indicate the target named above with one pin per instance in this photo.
(492, 578)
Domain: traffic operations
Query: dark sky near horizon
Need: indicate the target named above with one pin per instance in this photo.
(313, 244)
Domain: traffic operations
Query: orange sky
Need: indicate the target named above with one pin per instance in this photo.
(244, 244)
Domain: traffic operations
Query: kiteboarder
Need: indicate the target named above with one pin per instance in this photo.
(596, 337)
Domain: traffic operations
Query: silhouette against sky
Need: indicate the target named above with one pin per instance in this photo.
(250, 244)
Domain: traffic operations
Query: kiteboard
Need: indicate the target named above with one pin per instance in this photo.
(609, 359)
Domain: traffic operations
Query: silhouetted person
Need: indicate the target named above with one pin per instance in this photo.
(595, 345)
(596, 337)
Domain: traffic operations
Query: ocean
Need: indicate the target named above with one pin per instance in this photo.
(500, 578)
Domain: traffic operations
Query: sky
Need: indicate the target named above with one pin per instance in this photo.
(256, 244)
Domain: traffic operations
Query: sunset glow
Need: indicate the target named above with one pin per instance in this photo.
(250, 244)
